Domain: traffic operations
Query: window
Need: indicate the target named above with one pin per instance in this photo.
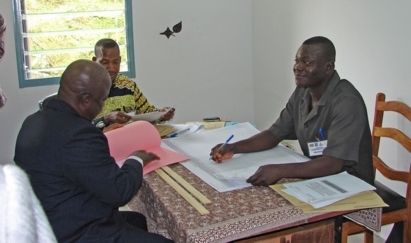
(50, 34)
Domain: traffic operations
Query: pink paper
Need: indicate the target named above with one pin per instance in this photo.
(140, 135)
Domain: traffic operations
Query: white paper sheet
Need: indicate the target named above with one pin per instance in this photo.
(184, 129)
(231, 174)
(151, 116)
(323, 191)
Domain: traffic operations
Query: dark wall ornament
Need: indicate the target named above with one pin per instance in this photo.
(176, 29)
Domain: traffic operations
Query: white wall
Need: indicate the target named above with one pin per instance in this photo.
(20, 102)
(205, 70)
(373, 52)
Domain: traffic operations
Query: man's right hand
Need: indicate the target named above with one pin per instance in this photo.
(219, 154)
(116, 117)
(147, 157)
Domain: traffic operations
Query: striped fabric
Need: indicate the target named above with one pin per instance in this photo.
(2, 30)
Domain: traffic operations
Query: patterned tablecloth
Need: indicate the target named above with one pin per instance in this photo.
(233, 215)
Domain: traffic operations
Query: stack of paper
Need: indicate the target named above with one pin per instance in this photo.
(164, 130)
(185, 129)
(368, 199)
(210, 125)
(323, 191)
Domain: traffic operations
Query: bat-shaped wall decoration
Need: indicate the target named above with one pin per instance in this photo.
(176, 29)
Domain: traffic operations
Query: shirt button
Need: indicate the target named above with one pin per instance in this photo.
(305, 126)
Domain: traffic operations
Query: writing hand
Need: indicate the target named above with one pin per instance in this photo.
(169, 115)
(265, 175)
(147, 157)
(116, 117)
(218, 153)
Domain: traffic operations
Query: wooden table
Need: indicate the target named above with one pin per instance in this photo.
(233, 215)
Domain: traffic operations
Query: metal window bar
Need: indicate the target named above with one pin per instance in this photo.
(39, 70)
(72, 32)
(26, 35)
(64, 50)
(100, 13)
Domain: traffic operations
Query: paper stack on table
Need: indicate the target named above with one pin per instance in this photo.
(164, 130)
(323, 191)
(185, 129)
(178, 130)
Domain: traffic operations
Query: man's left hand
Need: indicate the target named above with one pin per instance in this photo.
(169, 115)
(265, 175)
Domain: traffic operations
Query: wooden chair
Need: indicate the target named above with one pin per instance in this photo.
(399, 209)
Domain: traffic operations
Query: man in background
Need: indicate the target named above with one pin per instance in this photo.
(124, 96)
(70, 168)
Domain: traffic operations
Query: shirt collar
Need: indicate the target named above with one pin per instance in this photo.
(332, 84)
(306, 96)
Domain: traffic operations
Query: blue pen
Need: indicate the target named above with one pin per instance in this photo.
(321, 132)
(173, 135)
(176, 133)
(222, 145)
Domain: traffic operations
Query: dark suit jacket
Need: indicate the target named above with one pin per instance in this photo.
(72, 173)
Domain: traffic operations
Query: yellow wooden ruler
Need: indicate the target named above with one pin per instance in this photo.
(200, 208)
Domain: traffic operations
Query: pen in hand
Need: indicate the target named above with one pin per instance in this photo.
(222, 145)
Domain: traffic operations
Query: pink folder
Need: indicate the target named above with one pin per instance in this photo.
(140, 135)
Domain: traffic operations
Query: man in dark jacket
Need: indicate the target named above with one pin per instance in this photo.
(72, 173)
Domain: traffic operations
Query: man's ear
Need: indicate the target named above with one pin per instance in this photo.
(81, 104)
(120, 58)
(84, 101)
(330, 66)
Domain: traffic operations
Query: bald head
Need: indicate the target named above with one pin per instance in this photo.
(84, 85)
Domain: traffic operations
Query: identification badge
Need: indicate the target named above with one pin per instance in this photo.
(316, 148)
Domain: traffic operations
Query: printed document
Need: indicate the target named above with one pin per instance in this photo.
(323, 191)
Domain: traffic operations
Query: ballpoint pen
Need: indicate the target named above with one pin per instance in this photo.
(321, 132)
(175, 134)
(222, 145)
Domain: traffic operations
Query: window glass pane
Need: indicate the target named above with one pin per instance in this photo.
(54, 33)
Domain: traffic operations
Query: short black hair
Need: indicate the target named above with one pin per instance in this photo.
(105, 43)
(326, 43)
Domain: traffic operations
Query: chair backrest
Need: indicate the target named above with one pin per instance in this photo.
(380, 131)
(45, 100)
(22, 218)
